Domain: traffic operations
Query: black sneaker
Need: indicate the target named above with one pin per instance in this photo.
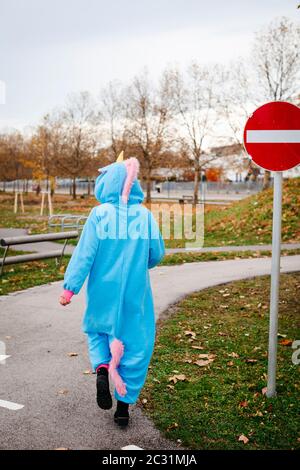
(103, 393)
(121, 416)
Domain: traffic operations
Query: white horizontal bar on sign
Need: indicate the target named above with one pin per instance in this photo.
(273, 137)
(10, 405)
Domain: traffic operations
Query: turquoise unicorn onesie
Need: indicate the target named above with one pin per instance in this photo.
(120, 242)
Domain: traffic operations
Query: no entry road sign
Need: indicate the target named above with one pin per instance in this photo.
(272, 139)
(272, 136)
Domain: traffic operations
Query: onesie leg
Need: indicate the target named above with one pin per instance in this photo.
(99, 351)
(100, 357)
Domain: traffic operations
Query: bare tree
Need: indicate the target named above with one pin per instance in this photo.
(78, 143)
(112, 116)
(194, 100)
(148, 120)
(236, 101)
(276, 54)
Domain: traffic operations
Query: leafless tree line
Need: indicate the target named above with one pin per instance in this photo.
(166, 124)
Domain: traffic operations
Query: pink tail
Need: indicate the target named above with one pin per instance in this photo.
(117, 351)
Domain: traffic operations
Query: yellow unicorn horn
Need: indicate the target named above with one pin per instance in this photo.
(120, 157)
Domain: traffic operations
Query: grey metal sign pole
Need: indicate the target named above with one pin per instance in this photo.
(275, 275)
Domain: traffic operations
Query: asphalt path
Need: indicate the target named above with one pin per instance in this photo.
(48, 399)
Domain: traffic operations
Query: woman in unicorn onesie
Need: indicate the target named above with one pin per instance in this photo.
(119, 243)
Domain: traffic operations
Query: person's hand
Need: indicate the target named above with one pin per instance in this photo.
(65, 298)
(63, 301)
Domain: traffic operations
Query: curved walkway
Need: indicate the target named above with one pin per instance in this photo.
(58, 396)
(49, 246)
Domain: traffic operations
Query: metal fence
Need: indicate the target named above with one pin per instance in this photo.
(162, 189)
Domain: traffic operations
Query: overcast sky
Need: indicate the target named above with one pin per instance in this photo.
(50, 48)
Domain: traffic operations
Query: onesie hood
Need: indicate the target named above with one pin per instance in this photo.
(109, 185)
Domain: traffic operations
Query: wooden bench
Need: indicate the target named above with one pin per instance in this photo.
(45, 237)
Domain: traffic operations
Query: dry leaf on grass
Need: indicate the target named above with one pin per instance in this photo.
(198, 347)
(179, 377)
(207, 356)
(203, 362)
(264, 390)
(286, 342)
(243, 439)
(230, 363)
(233, 354)
(172, 426)
(243, 404)
(190, 333)
(280, 335)
(251, 361)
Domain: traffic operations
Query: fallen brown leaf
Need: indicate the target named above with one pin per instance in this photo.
(264, 390)
(190, 333)
(243, 404)
(72, 354)
(207, 356)
(175, 378)
(203, 362)
(286, 342)
(172, 426)
(233, 354)
(243, 439)
(198, 347)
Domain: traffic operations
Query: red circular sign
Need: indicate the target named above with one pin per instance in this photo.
(272, 136)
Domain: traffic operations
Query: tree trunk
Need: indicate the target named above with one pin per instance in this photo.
(148, 188)
(196, 185)
(74, 188)
(267, 180)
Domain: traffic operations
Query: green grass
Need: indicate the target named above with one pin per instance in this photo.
(249, 221)
(245, 222)
(191, 257)
(219, 402)
(22, 276)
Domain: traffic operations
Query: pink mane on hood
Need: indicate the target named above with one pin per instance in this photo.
(132, 168)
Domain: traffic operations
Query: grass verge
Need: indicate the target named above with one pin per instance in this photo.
(22, 276)
(206, 383)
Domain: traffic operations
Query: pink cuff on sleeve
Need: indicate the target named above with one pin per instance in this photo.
(68, 294)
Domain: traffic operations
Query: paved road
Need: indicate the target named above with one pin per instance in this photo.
(59, 406)
(49, 246)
